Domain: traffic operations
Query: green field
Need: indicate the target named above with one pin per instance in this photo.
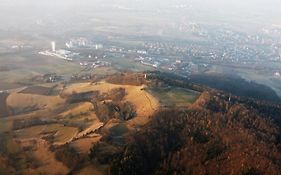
(61, 133)
(5, 125)
(120, 63)
(172, 96)
(25, 65)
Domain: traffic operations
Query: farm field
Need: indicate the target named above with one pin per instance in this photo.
(84, 145)
(38, 90)
(170, 96)
(120, 63)
(29, 64)
(145, 103)
(20, 103)
(42, 121)
(61, 134)
(5, 125)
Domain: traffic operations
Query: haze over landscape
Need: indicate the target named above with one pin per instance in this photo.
(138, 87)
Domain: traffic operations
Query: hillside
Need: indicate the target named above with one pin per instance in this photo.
(129, 123)
(219, 133)
(212, 137)
(50, 128)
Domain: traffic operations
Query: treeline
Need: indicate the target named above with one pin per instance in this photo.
(229, 84)
(236, 86)
(175, 80)
(258, 97)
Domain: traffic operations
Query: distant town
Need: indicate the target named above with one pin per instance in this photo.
(222, 47)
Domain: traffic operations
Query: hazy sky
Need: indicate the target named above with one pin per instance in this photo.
(268, 6)
(232, 11)
(248, 3)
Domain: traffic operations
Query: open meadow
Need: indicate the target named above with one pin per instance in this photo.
(177, 97)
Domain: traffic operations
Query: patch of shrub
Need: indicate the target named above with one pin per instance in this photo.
(214, 151)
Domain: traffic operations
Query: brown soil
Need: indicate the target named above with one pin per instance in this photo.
(38, 90)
